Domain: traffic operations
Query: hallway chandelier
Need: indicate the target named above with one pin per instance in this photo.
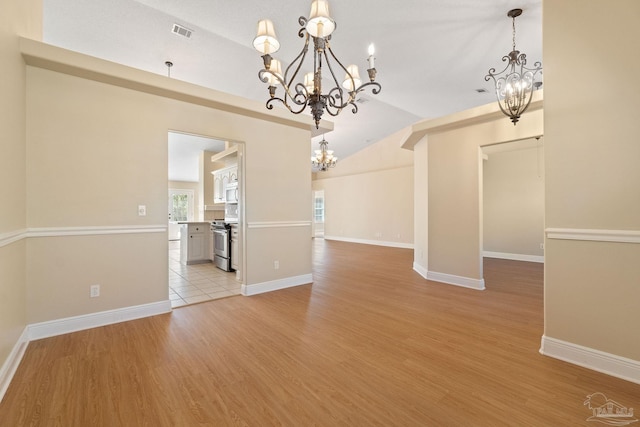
(324, 159)
(308, 92)
(514, 84)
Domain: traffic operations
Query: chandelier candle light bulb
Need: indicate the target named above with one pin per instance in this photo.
(372, 50)
(306, 90)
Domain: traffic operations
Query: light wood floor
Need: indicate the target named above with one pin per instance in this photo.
(370, 343)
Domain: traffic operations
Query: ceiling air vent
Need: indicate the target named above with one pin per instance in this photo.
(181, 31)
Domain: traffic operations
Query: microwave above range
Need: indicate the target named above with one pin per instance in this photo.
(231, 192)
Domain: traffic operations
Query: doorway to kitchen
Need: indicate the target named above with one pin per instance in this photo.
(193, 277)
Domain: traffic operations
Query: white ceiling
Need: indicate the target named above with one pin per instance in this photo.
(431, 55)
(184, 155)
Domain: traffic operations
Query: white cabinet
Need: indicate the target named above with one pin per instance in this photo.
(221, 178)
(218, 190)
(194, 243)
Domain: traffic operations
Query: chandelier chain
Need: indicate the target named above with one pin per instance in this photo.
(513, 24)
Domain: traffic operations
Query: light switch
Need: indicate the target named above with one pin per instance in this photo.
(142, 210)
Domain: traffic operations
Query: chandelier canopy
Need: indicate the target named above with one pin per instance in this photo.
(307, 91)
(515, 84)
(324, 159)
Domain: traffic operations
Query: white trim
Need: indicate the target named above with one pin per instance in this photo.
(607, 363)
(274, 285)
(596, 235)
(278, 224)
(12, 236)
(94, 320)
(451, 279)
(371, 242)
(514, 257)
(10, 365)
(420, 269)
(94, 230)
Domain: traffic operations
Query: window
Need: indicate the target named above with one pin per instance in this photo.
(318, 207)
(180, 207)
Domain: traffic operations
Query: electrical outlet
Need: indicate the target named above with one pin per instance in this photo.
(95, 291)
(542, 246)
(142, 210)
(276, 265)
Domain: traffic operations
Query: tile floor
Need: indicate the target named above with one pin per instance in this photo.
(190, 284)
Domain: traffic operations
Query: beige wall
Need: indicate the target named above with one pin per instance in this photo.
(513, 201)
(454, 187)
(592, 288)
(421, 208)
(131, 270)
(18, 17)
(369, 195)
(95, 151)
(185, 185)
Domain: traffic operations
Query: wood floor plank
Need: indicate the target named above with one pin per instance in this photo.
(370, 343)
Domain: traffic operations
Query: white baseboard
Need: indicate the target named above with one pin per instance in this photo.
(371, 242)
(72, 324)
(274, 285)
(10, 365)
(514, 257)
(451, 279)
(420, 269)
(94, 320)
(607, 363)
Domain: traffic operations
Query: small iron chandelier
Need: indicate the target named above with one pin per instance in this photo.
(514, 86)
(324, 159)
(308, 92)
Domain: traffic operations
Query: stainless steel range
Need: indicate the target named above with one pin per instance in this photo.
(222, 245)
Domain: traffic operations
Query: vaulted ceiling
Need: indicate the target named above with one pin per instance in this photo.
(431, 55)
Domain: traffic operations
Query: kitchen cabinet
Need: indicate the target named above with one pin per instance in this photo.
(218, 191)
(221, 178)
(194, 242)
(235, 256)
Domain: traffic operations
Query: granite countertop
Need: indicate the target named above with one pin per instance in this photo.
(194, 222)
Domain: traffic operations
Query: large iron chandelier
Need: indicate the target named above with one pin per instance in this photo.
(515, 84)
(324, 159)
(308, 92)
